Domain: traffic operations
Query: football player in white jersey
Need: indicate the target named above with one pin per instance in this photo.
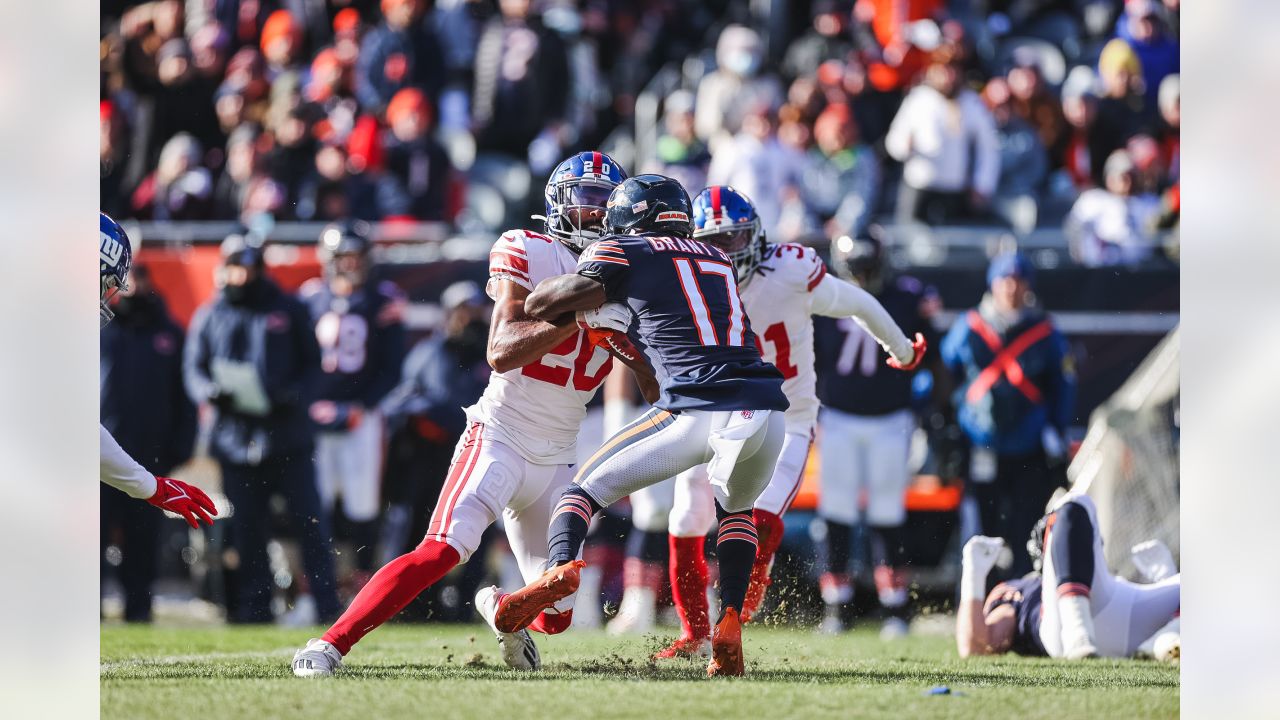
(116, 468)
(517, 454)
(782, 287)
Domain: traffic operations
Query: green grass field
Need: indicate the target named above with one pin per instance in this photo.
(440, 671)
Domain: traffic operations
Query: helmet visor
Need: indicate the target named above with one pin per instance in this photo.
(587, 194)
(732, 242)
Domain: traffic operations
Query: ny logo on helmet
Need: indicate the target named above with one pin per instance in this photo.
(110, 250)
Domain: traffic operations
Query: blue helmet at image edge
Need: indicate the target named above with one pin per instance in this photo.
(115, 254)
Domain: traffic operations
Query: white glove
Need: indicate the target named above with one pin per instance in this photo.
(977, 559)
(609, 316)
(1154, 560)
(1052, 443)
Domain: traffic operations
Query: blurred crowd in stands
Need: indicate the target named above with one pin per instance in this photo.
(836, 117)
(1022, 113)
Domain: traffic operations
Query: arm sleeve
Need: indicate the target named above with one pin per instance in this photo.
(606, 263)
(836, 298)
(122, 472)
(509, 260)
(949, 349)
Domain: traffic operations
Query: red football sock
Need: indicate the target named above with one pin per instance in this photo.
(389, 590)
(689, 585)
(551, 623)
(770, 528)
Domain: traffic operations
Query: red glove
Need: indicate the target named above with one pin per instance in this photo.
(186, 500)
(919, 346)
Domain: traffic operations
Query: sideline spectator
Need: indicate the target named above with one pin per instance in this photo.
(946, 139)
(680, 153)
(841, 181)
(1112, 225)
(416, 183)
(403, 51)
(1024, 163)
(1016, 418)
(179, 189)
(1144, 29)
(521, 89)
(1037, 106)
(144, 408)
(251, 355)
(757, 164)
(828, 39)
(735, 88)
(1082, 156)
(1122, 111)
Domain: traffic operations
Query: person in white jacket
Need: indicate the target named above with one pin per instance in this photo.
(946, 139)
(117, 469)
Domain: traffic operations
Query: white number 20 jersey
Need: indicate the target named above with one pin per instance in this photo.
(538, 409)
(779, 302)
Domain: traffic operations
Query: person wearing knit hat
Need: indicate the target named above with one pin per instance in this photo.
(281, 40)
(1014, 399)
(418, 167)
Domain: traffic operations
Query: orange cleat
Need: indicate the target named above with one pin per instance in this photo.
(521, 607)
(685, 647)
(755, 591)
(726, 647)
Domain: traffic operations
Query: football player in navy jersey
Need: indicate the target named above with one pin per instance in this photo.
(361, 336)
(865, 432)
(666, 302)
(1073, 607)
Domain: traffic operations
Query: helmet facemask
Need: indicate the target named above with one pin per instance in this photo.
(111, 286)
(577, 211)
(743, 243)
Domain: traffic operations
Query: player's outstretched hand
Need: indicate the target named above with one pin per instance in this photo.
(918, 346)
(186, 500)
(980, 553)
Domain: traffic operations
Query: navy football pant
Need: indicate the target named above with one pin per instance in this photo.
(249, 488)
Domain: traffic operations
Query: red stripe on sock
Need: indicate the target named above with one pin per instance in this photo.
(1073, 590)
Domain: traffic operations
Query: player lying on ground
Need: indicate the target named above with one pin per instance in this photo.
(719, 401)
(116, 468)
(519, 448)
(782, 287)
(1074, 608)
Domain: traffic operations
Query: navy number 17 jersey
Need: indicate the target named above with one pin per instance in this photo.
(689, 321)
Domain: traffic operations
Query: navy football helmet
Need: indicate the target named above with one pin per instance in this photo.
(115, 254)
(859, 260)
(340, 240)
(575, 198)
(649, 203)
(726, 218)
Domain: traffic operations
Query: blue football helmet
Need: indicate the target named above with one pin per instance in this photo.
(115, 253)
(576, 194)
(726, 218)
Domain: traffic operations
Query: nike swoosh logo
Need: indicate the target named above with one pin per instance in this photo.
(181, 493)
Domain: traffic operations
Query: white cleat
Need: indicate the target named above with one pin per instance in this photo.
(636, 614)
(317, 659)
(518, 649)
